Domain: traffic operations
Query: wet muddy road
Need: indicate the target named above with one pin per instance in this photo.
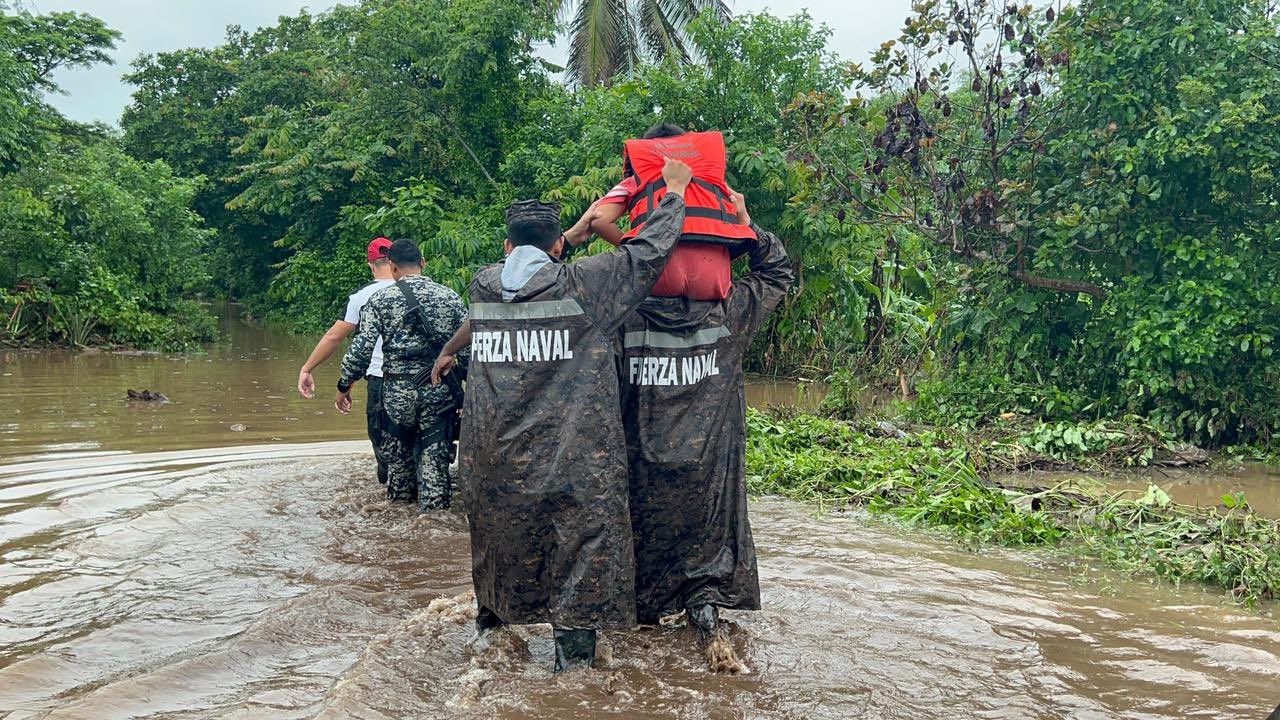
(247, 574)
(274, 583)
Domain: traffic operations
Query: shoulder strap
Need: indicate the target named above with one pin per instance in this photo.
(410, 297)
(414, 317)
(414, 313)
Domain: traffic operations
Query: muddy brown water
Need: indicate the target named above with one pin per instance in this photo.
(1259, 484)
(241, 391)
(156, 564)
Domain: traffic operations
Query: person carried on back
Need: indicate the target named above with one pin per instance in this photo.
(681, 406)
(684, 411)
(700, 268)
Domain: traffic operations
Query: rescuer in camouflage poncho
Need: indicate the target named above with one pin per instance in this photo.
(415, 441)
(543, 465)
(684, 411)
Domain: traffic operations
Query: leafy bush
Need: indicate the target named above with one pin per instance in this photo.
(111, 245)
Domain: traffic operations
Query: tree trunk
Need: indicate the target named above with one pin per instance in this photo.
(1075, 286)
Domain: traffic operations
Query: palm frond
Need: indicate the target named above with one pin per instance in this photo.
(721, 8)
(598, 39)
(606, 36)
(662, 37)
(680, 13)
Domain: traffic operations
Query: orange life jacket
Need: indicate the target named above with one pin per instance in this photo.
(710, 215)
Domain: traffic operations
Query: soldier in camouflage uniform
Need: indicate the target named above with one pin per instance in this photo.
(416, 442)
(543, 465)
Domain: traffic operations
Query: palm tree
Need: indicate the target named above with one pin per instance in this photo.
(609, 37)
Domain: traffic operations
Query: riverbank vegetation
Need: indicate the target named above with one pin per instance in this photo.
(1062, 212)
(95, 245)
(945, 479)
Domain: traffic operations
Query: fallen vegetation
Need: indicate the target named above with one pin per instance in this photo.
(947, 479)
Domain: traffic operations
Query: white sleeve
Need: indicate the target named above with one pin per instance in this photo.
(354, 305)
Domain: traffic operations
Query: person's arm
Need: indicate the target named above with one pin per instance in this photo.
(328, 345)
(605, 223)
(613, 285)
(449, 353)
(580, 232)
(610, 208)
(759, 293)
(358, 357)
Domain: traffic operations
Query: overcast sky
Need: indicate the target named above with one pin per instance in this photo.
(858, 27)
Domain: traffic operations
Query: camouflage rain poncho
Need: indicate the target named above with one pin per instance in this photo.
(684, 410)
(543, 471)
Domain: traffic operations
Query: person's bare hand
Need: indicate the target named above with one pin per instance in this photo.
(740, 202)
(343, 402)
(581, 230)
(678, 175)
(444, 364)
(306, 385)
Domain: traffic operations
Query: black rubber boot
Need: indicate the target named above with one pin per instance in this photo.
(487, 620)
(706, 620)
(713, 640)
(575, 648)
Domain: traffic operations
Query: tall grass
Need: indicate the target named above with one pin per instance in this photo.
(76, 321)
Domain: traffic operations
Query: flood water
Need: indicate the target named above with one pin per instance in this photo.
(1260, 484)
(155, 563)
(242, 391)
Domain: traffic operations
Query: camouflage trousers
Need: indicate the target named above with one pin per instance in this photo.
(415, 446)
(375, 423)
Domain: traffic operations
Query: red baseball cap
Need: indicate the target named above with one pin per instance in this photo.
(378, 249)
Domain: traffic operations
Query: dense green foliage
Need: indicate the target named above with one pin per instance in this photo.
(936, 478)
(1062, 213)
(1102, 185)
(425, 119)
(94, 244)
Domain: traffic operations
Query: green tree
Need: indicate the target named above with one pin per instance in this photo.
(31, 48)
(608, 38)
(18, 104)
(1165, 190)
(421, 91)
(57, 40)
(93, 243)
(189, 109)
(97, 234)
(1100, 176)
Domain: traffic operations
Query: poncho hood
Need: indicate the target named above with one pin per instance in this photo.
(681, 316)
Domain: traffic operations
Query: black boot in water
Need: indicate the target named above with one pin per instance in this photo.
(575, 648)
(713, 638)
(487, 620)
(705, 619)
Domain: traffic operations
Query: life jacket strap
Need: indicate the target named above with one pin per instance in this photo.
(688, 212)
(722, 214)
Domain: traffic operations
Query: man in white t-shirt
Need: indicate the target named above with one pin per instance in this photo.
(380, 266)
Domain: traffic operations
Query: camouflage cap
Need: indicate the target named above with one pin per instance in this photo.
(533, 211)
